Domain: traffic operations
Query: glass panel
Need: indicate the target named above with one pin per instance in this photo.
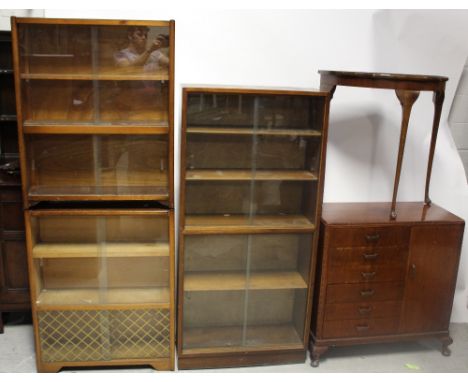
(245, 290)
(94, 103)
(101, 259)
(277, 289)
(213, 291)
(90, 165)
(94, 74)
(254, 158)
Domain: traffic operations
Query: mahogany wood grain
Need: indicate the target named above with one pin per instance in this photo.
(419, 251)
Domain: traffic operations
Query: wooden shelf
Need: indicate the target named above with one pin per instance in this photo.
(38, 193)
(217, 281)
(225, 175)
(104, 74)
(75, 250)
(30, 127)
(229, 338)
(66, 297)
(221, 224)
(248, 131)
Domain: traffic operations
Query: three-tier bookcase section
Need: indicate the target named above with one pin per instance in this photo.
(252, 169)
(95, 123)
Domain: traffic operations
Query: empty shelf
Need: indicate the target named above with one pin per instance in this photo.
(94, 296)
(298, 175)
(229, 338)
(248, 131)
(202, 224)
(216, 281)
(77, 250)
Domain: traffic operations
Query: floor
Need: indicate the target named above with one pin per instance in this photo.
(17, 356)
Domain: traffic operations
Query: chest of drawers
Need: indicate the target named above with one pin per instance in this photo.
(383, 280)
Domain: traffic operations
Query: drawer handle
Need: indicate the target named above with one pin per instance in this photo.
(362, 328)
(370, 256)
(368, 275)
(363, 310)
(367, 293)
(372, 238)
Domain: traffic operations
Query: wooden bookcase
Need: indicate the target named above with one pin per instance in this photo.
(95, 123)
(14, 288)
(91, 128)
(252, 170)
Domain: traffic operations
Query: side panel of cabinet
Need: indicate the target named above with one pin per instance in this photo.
(432, 273)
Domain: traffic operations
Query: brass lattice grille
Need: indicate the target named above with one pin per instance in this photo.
(93, 335)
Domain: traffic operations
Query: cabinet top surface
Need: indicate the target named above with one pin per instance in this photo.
(384, 76)
(258, 90)
(379, 213)
(40, 20)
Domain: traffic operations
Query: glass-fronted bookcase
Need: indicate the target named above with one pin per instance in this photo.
(95, 123)
(251, 189)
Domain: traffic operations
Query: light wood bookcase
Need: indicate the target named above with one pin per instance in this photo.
(95, 122)
(252, 168)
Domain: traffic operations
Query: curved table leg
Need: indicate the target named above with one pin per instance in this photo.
(407, 99)
(438, 100)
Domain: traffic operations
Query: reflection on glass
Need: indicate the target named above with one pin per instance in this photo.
(94, 74)
(101, 260)
(97, 165)
(245, 290)
(252, 159)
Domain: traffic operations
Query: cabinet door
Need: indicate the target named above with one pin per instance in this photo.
(432, 273)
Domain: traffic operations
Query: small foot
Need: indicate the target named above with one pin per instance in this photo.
(315, 354)
(446, 342)
(428, 201)
(393, 215)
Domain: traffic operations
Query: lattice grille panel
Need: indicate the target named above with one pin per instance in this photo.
(140, 333)
(93, 335)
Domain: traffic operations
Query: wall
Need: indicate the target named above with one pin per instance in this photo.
(286, 48)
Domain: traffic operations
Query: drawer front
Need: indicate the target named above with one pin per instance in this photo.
(364, 256)
(363, 292)
(348, 311)
(359, 274)
(360, 328)
(369, 236)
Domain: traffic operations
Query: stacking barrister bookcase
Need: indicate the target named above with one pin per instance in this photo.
(252, 171)
(95, 123)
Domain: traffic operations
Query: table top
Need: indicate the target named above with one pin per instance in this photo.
(385, 76)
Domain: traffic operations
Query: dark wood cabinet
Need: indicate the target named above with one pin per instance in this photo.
(14, 288)
(382, 279)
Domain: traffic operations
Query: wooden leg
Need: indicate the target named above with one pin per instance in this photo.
(315, 354)
(446, 342)
(438, 100)
(1, 323)
(407, 99)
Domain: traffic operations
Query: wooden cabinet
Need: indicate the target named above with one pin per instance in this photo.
(251, 190)
(14, 289)
(383, 279)
(95, 109)
(101, 286)
(95, 122)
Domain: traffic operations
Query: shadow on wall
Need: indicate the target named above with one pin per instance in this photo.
(355, 163)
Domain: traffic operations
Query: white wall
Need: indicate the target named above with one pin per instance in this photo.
(286, 48)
